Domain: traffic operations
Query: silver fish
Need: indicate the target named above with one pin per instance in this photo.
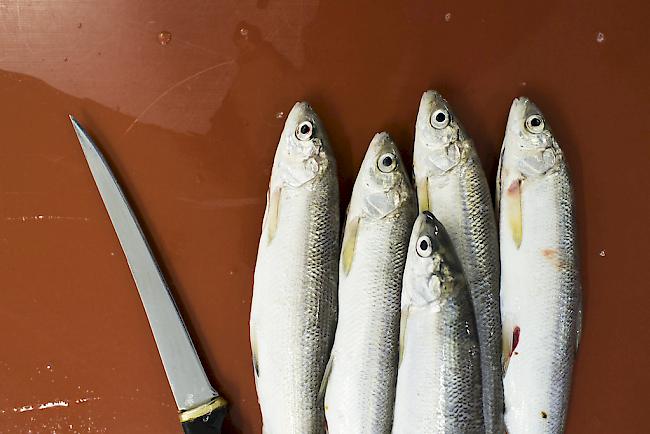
(439, 379)
(363, 365)
(294, 307)
(451, 184)
(541, 295)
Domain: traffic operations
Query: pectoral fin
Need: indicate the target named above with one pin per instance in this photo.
(513, 210)
(349, 244)
(273, 213)
(423, 194)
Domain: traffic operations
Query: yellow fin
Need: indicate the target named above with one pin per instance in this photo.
(513, 210)
(423, 194)
(349, 244)
(274, 211)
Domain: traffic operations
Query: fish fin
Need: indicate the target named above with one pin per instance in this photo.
(256, 365)
(422, 188)
(510, 338)
(513, 211)
(402, 334)
(579, 328)
(506, 343)
(273, 213)
(326, 377)
(497, 191)
(265, 218)
(349, 244)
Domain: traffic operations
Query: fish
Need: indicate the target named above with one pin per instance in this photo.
(294, 303)
(541, 295)
(439, 386)
(360, 388)
(452, 185)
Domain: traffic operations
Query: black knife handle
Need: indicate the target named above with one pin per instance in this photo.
(205, 419)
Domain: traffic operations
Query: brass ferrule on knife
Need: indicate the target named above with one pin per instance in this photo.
(202, 410)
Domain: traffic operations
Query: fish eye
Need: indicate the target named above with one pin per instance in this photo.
(305, 130)
(440, 119)
(423, 247)
(535, 124)
(387, 162)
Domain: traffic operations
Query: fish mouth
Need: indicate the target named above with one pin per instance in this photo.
(522, 107)
(381, 143)
(430, 102)
(300, 111)
(382, 178)
(425, 220)
(434, 100)
(302, 115)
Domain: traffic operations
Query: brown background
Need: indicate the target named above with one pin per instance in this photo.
(190, 128)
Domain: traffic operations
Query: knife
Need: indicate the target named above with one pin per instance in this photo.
(200, 408)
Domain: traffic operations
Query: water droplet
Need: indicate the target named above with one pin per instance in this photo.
(165, 37)
(279, 115)
(600, 37)
(448, 16)
(244, 32)
(602, 253)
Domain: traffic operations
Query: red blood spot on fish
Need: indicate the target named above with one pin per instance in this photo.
(549, 253)
(514, 187)
(515, 339)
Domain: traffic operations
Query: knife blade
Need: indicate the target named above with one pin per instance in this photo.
(201, 409)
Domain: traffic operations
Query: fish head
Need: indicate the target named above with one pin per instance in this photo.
(432, 269)
(303, 154)
(382, 184)
(439, 137)
(529, 147)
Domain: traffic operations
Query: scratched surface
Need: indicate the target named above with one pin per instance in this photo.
(190, 125)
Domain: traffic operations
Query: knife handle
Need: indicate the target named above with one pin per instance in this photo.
(205, 419)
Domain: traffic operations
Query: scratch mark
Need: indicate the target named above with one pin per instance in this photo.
(82, 400)
(39, 218)
(198, 47)
(180, 83)
(53, 404)
(19, 22)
